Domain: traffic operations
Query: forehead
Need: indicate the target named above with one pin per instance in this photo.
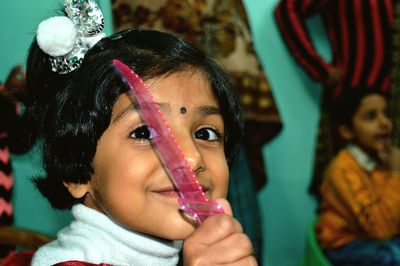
(188, 85)
(372, 101)
(189, 89)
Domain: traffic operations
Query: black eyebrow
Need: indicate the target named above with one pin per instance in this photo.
(136, 107)
(209, 110)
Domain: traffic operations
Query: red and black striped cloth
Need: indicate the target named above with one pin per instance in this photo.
(6, 181)
(359, 32)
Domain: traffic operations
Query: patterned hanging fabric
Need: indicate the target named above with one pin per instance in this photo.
(6, 185)
(8, 117)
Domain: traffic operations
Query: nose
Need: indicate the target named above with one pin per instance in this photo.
(385, 121)
(192, 153)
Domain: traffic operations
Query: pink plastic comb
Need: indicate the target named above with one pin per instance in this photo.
(192, 199)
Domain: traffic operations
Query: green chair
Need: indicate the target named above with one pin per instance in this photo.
(313, 254)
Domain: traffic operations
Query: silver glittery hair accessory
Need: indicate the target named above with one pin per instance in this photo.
(67, 39)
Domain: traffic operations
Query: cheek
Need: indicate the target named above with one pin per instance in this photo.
(122, 194)
(365, 133)
(119, 178)
(220, 175)
(224, 182)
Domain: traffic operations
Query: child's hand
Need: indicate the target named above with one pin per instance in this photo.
(391, 158)
(394, 159)
(218, 240)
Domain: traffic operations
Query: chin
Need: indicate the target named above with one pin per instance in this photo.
(380, 149)
(178, 230)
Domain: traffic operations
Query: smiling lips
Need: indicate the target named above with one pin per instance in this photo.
(383, 136)
(168, 192)
(173, 192)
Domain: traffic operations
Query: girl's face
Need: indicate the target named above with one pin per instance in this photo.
(129, 183)
(372, 127)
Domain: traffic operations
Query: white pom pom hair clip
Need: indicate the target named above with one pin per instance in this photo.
(67, 39)
(52, 40)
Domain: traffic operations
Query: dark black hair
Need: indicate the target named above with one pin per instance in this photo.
(343, 109)
(73, 110)
(346, 105)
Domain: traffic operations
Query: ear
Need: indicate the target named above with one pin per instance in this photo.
(346, 133)
(77, 190)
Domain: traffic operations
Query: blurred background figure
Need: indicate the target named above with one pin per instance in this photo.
(13, 139)
(360, 34)
(360, 208)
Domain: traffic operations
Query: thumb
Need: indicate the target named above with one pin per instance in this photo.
(225, 205)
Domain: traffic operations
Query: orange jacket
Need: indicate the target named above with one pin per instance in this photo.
(356, 203)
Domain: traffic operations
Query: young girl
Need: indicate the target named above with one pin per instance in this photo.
(360, 207)
(100, 162)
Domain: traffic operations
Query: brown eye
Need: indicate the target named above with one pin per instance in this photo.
(208, 134)
(141, 133)
(370, 115)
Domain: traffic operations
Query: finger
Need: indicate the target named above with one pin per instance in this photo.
(213, 229)
(234, 248)
(247, 261)
(225, 205)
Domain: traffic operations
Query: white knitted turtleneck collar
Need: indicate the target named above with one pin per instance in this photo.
(93, 237)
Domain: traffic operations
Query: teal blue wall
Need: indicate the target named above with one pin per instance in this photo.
(286, 208)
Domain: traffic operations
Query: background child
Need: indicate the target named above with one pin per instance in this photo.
(360, 206)
(99, 160)
(362, 25)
